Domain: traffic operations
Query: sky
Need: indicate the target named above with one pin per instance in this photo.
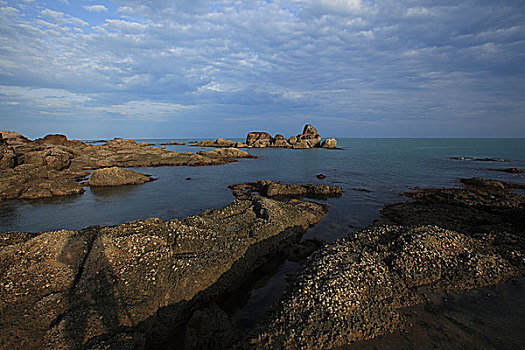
(197, 68)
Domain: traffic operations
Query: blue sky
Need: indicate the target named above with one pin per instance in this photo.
(199, 68)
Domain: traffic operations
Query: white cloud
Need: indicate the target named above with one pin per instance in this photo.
(283, 57)
(63, 18)
(96, 8)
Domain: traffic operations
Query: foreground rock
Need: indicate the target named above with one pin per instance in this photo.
(51, 166)
(353, 289)
(116, 177)
(136, 284)
(275, 189)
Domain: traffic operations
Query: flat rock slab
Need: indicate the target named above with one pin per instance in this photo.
(277, 190)
(102, 287)
(116, 177)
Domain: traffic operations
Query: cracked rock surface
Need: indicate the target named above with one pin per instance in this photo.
(106, 286)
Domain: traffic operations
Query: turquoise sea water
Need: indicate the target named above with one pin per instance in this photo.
(385, 167)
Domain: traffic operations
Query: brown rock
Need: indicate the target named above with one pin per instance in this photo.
(258, 139)
(227, 152)
(281, 143)
(275, 189)
(310, 130)
(174, 143)
(116, 177)
(329, 143)
(115, 287)
(8, 157)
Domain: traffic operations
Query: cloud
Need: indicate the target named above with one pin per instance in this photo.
(62, 18)
(96, 8)
(383, 63)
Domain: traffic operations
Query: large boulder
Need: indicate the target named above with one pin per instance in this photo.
(116, 176)
(113, 287)
(329, 143)
(258, 139)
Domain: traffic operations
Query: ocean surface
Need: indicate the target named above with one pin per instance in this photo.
(384, 167)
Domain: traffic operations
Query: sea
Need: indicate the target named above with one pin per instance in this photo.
(372, 172)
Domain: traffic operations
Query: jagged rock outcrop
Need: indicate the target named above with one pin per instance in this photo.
(51, 165)
(115, 176)
(135, 284)
(308, 139)
(259, 139)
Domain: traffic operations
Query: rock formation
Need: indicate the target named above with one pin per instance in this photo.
(259, 139)
(228, 152)
(138, 283)
(51, 165)
(174, 143)
(275, 189)
(115, 176)
(353, 289)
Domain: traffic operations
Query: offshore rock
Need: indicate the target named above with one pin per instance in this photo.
(275, 189)
(216, 143)
(229, 152)
(174, 143)
(329, 143)
(258, 139)
(510, 170)
(116, 177)
(133, 285)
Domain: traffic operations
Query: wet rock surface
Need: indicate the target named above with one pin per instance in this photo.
(51, 166)
(135, 285)
(510, 170)
(282, 191)
(115, 176)
(355, 288)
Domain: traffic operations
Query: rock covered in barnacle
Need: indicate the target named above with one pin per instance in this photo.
(117, 286)
(351, 290)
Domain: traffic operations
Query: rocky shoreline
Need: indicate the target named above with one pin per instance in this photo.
(138, 284)
(353, 290)
(54, 166)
